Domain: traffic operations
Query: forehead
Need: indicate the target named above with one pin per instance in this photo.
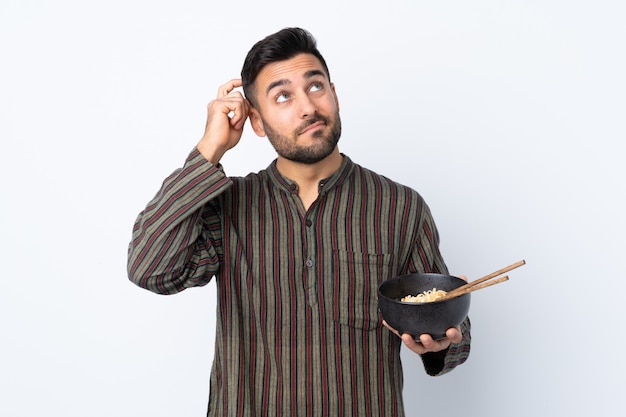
(289, 71)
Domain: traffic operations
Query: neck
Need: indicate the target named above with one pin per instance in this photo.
(310, 173)
(308, 176)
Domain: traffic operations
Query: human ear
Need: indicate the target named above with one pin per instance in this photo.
(256, 122)
(332, 87)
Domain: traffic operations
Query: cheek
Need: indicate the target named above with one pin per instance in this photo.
(329, 105)
(282, 120)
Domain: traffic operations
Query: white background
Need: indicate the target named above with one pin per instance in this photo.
(507, 116)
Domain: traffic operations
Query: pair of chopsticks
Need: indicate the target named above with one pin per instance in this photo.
(483, 282)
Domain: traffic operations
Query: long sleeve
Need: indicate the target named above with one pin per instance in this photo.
(170, 248)
(296, 291)
(440, 363)
(427, 258)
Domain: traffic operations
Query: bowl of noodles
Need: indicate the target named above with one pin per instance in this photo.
(412, 304)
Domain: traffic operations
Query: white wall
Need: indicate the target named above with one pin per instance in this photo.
(508, 116)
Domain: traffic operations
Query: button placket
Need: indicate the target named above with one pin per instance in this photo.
(310, 258)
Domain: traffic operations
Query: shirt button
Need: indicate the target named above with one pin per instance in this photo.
(308, 223)
(309, 263)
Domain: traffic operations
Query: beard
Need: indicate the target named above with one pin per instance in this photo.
(323, 146)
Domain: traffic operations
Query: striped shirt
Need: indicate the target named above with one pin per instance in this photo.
(298, 328)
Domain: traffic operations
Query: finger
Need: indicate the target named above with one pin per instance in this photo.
(239, 114)
(410, 342)
(454, 334)
(227, 88)
(427, 341)
(431, 345)
(394, 331)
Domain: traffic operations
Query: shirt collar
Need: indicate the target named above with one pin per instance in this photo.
(336, 179)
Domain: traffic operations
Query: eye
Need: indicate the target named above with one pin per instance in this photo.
(316, 86)
(282, 97)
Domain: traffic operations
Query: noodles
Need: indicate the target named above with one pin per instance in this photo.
(427, 296)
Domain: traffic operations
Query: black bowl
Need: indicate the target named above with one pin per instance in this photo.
(432, 318)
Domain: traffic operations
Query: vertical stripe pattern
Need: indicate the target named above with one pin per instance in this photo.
(298, 328)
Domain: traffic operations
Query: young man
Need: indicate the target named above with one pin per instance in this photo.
(297, 250)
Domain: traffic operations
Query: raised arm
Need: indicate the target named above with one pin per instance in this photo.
(171, 249)
(226, 117)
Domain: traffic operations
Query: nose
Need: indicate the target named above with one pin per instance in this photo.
(307, 107)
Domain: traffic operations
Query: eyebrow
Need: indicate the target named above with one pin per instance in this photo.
(284, 81)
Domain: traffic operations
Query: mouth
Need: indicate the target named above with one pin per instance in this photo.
(313, 126)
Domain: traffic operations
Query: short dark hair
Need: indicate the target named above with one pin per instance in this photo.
(280, 46)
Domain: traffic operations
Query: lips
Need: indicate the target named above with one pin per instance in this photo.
(312, 125)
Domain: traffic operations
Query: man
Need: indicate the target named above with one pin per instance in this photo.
(297, 250)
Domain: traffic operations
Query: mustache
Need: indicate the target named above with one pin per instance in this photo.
(316, 118)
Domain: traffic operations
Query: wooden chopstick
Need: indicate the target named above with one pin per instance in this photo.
(463, 289)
